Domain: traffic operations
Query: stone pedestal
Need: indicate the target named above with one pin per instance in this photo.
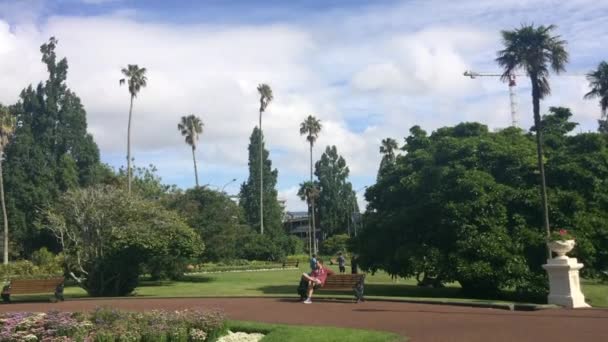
(564, 282)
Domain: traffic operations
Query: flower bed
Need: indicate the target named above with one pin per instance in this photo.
(105, 325)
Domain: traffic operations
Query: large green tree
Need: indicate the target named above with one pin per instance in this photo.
(7, 128)
(191, 127)
(51, 151)
(136, 79)
(336, 196)
(250, 190)
(462, 205)
(266, 97)
(598, 82)
(536, 51)
(311, 127)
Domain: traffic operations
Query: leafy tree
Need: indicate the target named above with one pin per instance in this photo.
(536, 51)
(598, 82)
(51, 151)
(249, 194)
(136, 79)
(191, 127)
(335, 244)
(107, 235)
(7, 128)
(311, 127)
(266, 97)
(336, 195)
(309, 192)
(387, 148)
(218, 220)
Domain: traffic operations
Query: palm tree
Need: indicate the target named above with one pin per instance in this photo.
(598, 82)
(311, 127)
(136, 79)
(309, 192)
(536, 51)
(191, 127)
(388, 147)
(7, 128)
(265, 98)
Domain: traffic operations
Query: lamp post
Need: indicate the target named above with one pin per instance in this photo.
(225, 185)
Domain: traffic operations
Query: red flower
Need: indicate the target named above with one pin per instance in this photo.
(563, 232)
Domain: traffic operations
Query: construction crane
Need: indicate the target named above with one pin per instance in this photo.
(512, 93)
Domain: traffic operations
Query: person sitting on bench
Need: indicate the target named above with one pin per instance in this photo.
(316, 279)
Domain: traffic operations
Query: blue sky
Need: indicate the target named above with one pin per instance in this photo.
(368, 70)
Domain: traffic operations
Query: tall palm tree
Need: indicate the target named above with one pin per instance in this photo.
(311, 127)
(388, 147)
(265, 98)
(191, 127)
(136, 79)
(598, 82)
(308, 192)
(536, 51)
(7, 128)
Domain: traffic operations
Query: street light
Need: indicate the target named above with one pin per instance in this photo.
(225, 185)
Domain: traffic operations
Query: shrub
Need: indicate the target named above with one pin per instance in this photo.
(335, 244)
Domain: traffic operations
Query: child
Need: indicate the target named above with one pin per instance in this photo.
(341, 263)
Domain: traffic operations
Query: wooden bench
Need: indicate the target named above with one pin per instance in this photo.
(33, 286)
(346, 282)
(287, 263)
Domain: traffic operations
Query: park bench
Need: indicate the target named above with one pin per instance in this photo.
(345, 282)
(33, 286)
(294, 263)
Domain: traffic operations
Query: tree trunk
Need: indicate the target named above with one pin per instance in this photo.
(539, 152)
(4, 216)
(195, 170)
(312, 211)
(261, 179)
(129, 148)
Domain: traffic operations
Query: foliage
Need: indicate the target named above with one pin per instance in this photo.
(335, 244)
(462, 206)
(598, 82)
(191, 127)
(560, 235)
(107, 236)
(250, 191)
(337, 200)
(387, 148)
(51, 151)
(106, 324)
(26, 269)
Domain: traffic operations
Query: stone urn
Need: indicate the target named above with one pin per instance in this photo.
(561, 247)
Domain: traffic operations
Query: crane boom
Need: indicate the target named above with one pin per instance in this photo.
(512, 92)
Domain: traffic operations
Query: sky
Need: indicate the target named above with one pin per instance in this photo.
(367, 69)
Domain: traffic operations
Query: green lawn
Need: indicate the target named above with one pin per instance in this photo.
(283, 283)
(292, 333)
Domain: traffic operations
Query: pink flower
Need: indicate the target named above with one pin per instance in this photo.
(563, 232)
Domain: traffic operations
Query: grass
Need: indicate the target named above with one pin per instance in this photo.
(282, 283)
(294, 333)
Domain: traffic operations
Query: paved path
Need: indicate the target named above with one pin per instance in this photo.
(420, 322)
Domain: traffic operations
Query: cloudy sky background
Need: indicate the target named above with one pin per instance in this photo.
(368, 71)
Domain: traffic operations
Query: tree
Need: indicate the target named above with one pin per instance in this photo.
(7, 128)
(309, 192)
(387, 148)
(265, 98)
(311, 127)
(598, 82)
(249, 194)
(336, 195)
(536, 51)
(136, 79)
(107, 235)
(190, 127)
(50, 152)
